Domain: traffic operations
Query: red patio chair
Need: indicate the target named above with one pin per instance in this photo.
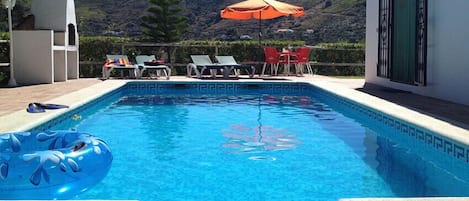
(302, 59)
(272, 60)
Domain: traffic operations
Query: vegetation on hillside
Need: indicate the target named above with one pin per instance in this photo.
(324, 21)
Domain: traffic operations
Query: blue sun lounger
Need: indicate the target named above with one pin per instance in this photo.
(231, 62)
(147, 62)
(118, 62)
(200, 63)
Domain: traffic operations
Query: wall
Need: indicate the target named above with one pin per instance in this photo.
(448, 51)
(33, 60)
(71, 16)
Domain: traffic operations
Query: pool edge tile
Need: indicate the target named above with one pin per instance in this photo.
(404, 114)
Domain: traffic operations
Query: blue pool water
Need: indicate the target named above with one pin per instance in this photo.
(257, 147)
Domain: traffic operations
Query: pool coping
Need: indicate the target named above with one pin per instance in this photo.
(432, 124)
(10, 122)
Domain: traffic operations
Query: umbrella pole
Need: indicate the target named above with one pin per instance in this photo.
(260, 28)
(261, 51)
(12, 81)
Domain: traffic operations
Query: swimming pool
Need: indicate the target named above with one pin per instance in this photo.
(261, 141)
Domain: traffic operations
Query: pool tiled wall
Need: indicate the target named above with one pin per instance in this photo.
(400, 128)
(419, 135)
(215, 88)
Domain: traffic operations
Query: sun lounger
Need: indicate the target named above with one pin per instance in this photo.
(118, 62)
(148, 62)
(200, 63)
(230, 61)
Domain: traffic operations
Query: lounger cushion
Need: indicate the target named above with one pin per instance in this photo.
(153, 63)
(123, 62)
(117, 62)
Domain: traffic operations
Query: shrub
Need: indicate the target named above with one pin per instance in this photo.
(93, 52)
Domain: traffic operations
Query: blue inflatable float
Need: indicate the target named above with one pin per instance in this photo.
(50, 165)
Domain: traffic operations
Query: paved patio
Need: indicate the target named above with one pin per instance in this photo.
(456, 114)
(16, 99)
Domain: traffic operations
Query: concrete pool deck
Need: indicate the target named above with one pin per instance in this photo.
(444, 117)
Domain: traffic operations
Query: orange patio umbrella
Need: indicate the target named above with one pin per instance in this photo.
(262, 10)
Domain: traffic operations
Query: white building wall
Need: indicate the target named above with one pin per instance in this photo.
(73, 68)
(447, 56)
(371, 41)
(71, 16)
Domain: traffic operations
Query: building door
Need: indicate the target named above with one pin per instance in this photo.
(402, 41)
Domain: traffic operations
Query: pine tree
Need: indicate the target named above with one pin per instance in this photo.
(164, 23)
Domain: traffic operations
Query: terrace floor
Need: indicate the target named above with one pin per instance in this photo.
(18, 98)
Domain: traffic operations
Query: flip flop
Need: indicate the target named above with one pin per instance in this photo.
(33, 108)
(50, 106)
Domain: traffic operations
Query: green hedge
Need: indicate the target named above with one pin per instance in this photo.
(94, 49)
(340, 70)
(93, 52)
(340, 53)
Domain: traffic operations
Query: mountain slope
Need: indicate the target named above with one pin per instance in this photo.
(324, 21)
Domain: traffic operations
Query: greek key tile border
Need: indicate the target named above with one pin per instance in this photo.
(215, 88)
(423, 136)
